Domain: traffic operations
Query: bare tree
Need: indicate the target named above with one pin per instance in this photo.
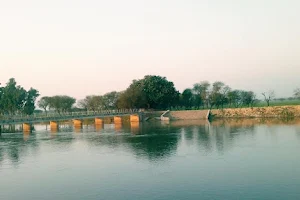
(44, 103)
(297, 93)
(270, 95)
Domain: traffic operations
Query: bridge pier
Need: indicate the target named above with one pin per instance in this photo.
(117, 120)
(27, 128)
(135, 118)
(54, 126)
(98, 121)
(77, 123)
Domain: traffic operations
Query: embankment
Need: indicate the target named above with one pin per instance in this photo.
(258, 112)
(180, 115)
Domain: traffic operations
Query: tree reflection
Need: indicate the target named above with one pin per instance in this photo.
(13, 147)
(152, 141)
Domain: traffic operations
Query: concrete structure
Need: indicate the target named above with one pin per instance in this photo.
(188, 114)
(99, 121)
(135, 118)
(56, 117)
(54, 126)
(77, 122)
(117, 120)
(27, 127)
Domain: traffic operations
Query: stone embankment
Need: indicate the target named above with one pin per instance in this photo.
(188, 115)
(259, 112)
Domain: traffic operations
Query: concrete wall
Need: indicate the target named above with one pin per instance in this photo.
(263, 112)
(188, 114)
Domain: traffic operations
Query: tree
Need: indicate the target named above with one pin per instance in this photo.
(44, 103)
(160, 93)
(187, 98)
(150, 92)
(234, 98)
(248, 98)
(110, 100)
(268, 96)
(133, 96)
(29, 105)
(61, 103)
(201, 93)
(13, 97)
(218, 94)
(83, 104)
(297, 93)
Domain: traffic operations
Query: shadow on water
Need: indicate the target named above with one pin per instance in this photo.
(153, 141)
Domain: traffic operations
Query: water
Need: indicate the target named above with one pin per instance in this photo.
(181, 160)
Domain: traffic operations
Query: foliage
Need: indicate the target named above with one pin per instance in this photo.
(44, 103)
(14, 99)
(59, 103)
(154, 92)
(187, 98)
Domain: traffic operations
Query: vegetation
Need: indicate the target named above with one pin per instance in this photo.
(98, 102)
(14, 99)
(150, 92)
(268, 96)
(297, 93)
(154, 92)
(59, 104)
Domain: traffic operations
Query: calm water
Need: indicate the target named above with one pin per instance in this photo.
(181, 160)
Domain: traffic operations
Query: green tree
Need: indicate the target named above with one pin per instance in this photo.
(29, 105)
(134, 96)
(13, 97)
(248, 98)
(160, 93)
(44, 103)
(150, 92)
(218, 94)
(110, 100)
(187, 98)
(61, 103)
(201, 91)
(234, 98)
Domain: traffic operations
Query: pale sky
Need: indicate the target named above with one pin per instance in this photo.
(82, 47)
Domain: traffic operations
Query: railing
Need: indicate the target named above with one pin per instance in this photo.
(68, 114)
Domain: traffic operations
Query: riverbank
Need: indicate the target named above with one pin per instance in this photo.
(258, 112)
(290, 111)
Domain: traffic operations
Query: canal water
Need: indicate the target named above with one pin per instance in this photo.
(235, 159)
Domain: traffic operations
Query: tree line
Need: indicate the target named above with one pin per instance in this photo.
(150, 92)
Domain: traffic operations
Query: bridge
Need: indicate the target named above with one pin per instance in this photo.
(76, 117)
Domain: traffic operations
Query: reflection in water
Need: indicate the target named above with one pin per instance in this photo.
(223, 159)
(99, 127)
(14, 146)
(135, 128)
(149, 140)
(118, 127)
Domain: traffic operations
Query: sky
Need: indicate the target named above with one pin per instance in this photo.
(84, 47)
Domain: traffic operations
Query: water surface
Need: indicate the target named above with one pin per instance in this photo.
(247, 159)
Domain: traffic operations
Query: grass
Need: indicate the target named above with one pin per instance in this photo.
(260, 103)
(279, 103)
